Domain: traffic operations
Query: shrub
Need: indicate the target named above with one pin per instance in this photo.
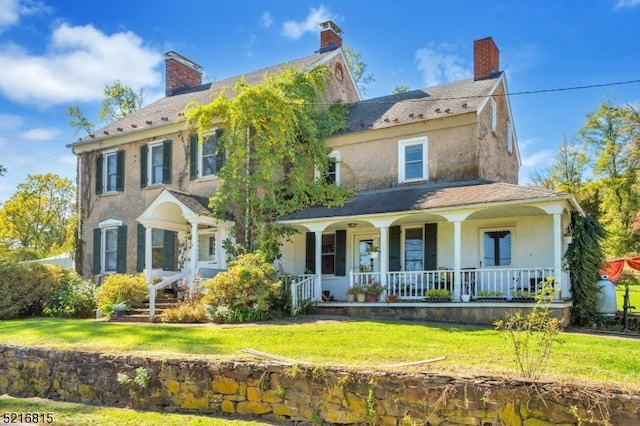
(248, 290)
(26, 287)
(190, 311)
(121, 288)
(75, 297)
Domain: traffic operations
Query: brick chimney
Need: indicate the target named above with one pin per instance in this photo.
(330, 36)
(486, 59)
(181, 73)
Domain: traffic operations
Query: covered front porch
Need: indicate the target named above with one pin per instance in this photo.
(484, 253)
(179, 241)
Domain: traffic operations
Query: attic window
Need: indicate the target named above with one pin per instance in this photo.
(412, 159)
(510, 137)
(339, 73)
(494, 115)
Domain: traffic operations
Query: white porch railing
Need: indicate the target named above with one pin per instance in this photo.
(153, 290)
(493, 282)
(303, 287)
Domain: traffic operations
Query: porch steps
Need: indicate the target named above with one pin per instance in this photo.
(140, 312)
(324, 309)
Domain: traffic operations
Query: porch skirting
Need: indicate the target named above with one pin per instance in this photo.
(479, 313)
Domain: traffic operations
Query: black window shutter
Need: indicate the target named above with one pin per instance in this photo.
(121, 257)
(97, 249)
(219, 152)
(193, 157)
(310, 253)
(140, 246)
(144, 149)
(394, 249)
(168, 247)
(166, 162)
(430, 246)
(99, 165)
(341, 252)
(120, 171)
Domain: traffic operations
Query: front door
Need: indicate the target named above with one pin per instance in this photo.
(366, 261)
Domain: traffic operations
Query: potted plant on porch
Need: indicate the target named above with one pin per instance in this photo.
(352, 293)
(373, 251)
(374, 290)
(437, 295)
(359, 291)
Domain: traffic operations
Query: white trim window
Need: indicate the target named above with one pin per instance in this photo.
(109, 249)
(494, 115)
(332, 175)
(110, 172)
(497, 247)
(510, 138)
(412, 159)
(206, 159)
(155, 163)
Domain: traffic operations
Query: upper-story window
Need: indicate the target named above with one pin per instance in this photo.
(510, 138)
(412, 159)
(155, 163)
(110, 172)
(205, 159)
(332, 174)
(494, 115)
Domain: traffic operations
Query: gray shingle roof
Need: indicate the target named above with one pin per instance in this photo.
(198, 205)
(170, 108)
(460, 97)
(428, 196)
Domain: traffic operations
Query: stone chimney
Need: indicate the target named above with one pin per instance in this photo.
(330, 36)
(486, 59)
(181, 73)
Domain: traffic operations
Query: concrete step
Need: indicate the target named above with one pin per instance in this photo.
(140, 312)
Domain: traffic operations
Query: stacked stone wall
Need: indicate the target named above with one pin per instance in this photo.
(302, 393)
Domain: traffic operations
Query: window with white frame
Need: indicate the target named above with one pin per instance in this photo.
(110, 172)
(494, 115)
(155, 163)
(328, 253)
(207, 158)
(497, 247)
(207, 246)
(413, 249)
(510, 137)
(109, 247)
(412, 159)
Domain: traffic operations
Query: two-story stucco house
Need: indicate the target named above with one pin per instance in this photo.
(436, 172)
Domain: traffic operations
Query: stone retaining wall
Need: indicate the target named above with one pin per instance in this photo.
(306, 394)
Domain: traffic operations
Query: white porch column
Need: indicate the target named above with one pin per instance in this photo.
(384, 254)
(148, 256)
(557, 252)
(148, 267)
(194, 252)
(318, 263)
(457, 259)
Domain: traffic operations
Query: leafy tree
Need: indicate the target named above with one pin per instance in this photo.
(273, 138)
(119, 101)
(612, 135)
(358, 68)
(3, 170)
(401, 89)
(38, 219)
(569, 168)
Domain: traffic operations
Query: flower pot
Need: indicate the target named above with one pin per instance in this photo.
(362, 297)
(465, 297)
(372, 297)
(119, 309)
(351, 298)
(374, 254)
(392, 298)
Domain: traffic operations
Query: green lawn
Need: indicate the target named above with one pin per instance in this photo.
(358, 344)
(67, 414)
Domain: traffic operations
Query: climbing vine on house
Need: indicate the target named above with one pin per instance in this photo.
(273, 140)
(585, 258)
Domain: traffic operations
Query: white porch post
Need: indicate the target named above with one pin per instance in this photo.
(194, 252)
(318, 262)
(457, 259)
(384, 254)
(557, 252)
(148, 267)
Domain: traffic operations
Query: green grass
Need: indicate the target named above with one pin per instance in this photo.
(359, 344)
(68, 414)
(634, 297)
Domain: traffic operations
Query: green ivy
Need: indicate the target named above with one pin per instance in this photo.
(585, 258)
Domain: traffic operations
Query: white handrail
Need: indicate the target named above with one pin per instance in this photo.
(153, 289)
(302, 288)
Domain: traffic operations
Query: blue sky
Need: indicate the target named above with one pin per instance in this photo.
(58, 53)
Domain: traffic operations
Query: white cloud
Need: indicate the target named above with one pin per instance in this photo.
(439, 65)
(69, 160)
(295, 30)
(627, 4)
(266, 20)
(80, 62)
(12, 10)
(10, 122)
(43, 134)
